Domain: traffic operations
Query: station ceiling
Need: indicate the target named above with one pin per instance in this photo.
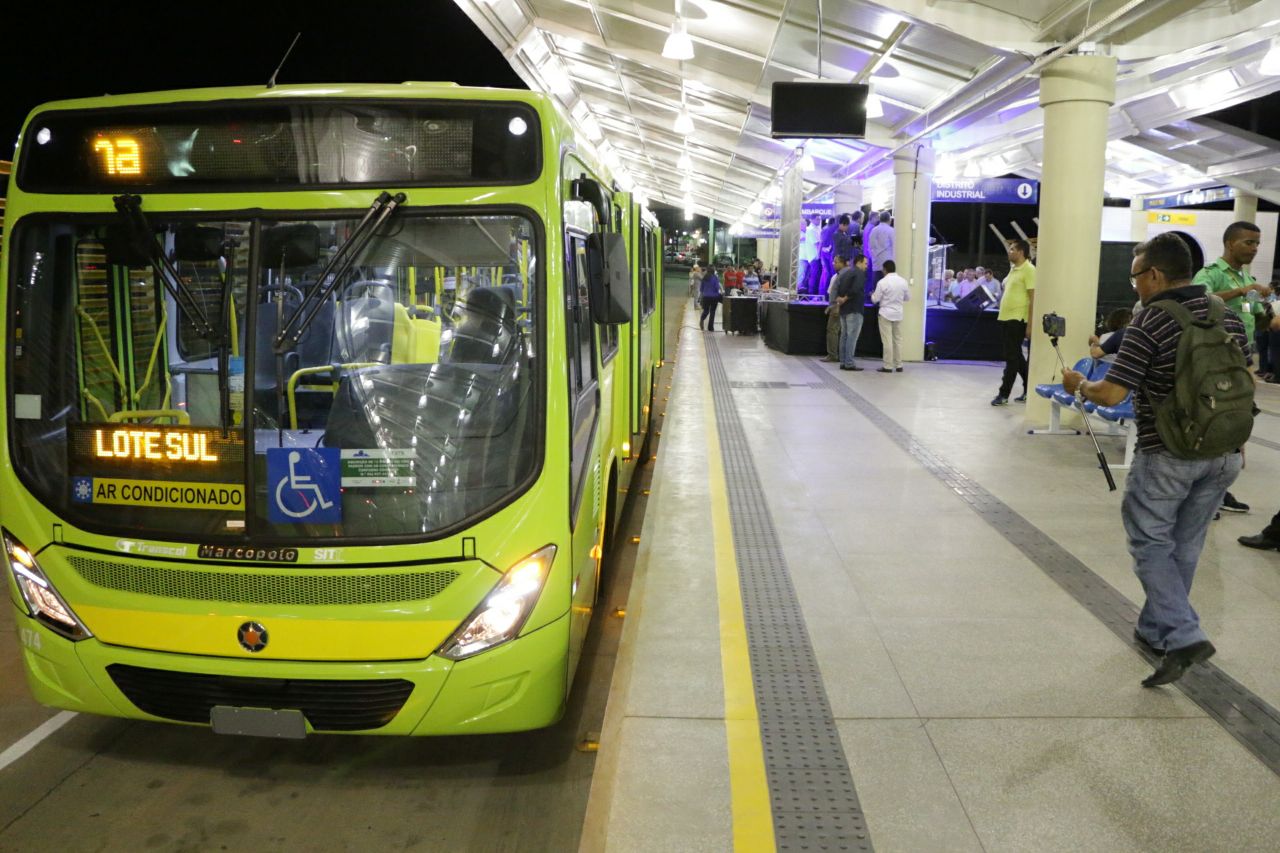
(963, 75)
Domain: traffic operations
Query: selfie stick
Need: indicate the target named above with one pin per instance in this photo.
(1102, 458)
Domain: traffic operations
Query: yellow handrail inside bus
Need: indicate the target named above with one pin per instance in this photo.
(151, 363)
(179, 416)
(292, 388)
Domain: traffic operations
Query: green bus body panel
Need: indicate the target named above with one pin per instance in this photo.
(522, 684)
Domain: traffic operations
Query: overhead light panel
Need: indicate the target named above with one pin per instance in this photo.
(1270, 64)
(686, 183)
(806, 161)
(685, 163)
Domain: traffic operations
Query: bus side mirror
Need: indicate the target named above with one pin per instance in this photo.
(608, 278)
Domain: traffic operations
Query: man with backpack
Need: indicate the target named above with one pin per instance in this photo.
(1183, 360)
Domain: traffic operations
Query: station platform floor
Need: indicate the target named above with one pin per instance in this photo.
(871, 612)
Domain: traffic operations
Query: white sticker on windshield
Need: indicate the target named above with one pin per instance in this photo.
(378, 468)
(26, 407)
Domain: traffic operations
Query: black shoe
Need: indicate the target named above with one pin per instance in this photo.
(1177, 661)
(1230, 504)
(829, 358)
(1145, 646)
(1262, 541)
(1021, 399)
(997, 400)
(884, 370)
(1217, 515)
(842, 367)
(897, 370)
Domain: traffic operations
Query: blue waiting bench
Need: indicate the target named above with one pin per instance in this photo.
(1118, 418)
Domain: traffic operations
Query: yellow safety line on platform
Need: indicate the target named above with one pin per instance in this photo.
(749, 787)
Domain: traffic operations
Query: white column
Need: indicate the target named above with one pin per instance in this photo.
(1245, 208)
(913, 171)
(848, 197)
(1076, 93)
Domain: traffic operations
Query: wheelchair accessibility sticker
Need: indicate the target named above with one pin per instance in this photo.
(304, 485)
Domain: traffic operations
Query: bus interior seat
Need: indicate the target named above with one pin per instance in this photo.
(486, 327)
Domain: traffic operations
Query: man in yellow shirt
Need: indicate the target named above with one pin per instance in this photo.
(1015, 310)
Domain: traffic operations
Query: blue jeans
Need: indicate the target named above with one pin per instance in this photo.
(1168, 505)
(850, 328)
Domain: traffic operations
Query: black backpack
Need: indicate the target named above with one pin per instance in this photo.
(1209, 412)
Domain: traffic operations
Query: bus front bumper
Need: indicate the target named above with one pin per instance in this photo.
(517, 686)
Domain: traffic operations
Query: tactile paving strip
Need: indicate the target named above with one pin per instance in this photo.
(814, 803)
(1244, 715)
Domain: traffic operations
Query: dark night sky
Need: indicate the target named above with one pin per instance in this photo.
(65, 50)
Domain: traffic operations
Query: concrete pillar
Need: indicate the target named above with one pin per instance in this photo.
(913, 172)
(1076, 93)
(1246, 208)
(1137, 221)
(848, 197)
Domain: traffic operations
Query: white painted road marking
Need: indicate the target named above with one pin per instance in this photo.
(32, 740)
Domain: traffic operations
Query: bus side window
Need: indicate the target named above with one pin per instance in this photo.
(580, 338)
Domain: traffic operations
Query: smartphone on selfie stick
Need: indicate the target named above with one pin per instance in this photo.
(1055, 327)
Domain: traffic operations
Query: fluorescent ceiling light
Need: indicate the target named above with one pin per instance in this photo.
(557, 80)
(1270, 64)
(875, 109)
(946, 169)
(971, 169)
(684, 121)
(1206, 91)
(688, 213)
(678, 44)
(806, 161)
(686, 183)
(685, 163)
(572, 45)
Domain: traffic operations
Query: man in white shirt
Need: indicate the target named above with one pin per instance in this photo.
(808, 256)
(891, 291)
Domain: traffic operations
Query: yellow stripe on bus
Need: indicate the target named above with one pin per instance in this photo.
(168, 494)
(749, 786)
(287, 639)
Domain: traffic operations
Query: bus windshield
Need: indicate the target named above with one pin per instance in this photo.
(408, 404)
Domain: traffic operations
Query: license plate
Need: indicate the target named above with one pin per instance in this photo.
(258, 722)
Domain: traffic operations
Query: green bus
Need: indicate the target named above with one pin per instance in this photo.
(319, 401)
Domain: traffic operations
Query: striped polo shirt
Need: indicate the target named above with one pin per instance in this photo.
(1149, 351)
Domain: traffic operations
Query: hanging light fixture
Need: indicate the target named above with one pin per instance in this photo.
(1270, 64)
(678, 44)
(686, 183)
(971, 169)
(806, 161)
(684, 121)
(685, 163)
(946, 169)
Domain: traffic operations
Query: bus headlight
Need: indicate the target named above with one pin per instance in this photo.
(504, 610)
(42, 600)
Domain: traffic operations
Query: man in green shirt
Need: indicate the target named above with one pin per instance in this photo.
(1228, 279)
(1015, 311)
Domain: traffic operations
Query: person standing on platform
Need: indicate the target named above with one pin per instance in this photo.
(891, 291)
(850, 289)
(873, 219)
(1170, 495)
(1228, 279)
(695, 281)
(710, 290)
(827, 249)
(833, 321)
(1015, 310)
(733, 278)
(881, 244)
(848, 238)
(808, 254)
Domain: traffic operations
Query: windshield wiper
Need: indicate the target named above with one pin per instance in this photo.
(377, 214)
(130, 209)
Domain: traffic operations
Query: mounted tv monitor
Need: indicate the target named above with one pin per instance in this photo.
(822, 110)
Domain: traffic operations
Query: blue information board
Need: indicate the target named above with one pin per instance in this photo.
(990, 190)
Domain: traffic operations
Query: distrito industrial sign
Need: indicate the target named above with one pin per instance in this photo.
(989, 190)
